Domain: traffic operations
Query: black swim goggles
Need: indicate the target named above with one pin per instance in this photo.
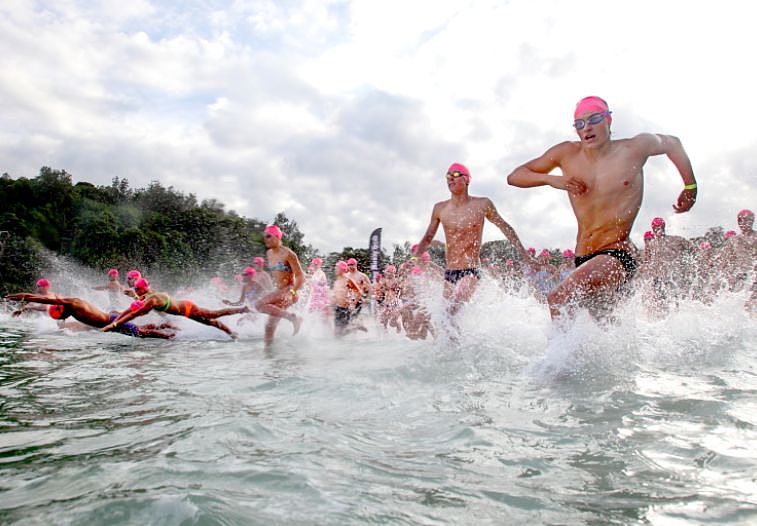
(594, 118)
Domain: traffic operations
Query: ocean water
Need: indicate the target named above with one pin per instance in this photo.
(637, 421)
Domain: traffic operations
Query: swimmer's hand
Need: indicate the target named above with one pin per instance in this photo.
(18, 312)
(686, 200)
(570, 184)
(108, 327)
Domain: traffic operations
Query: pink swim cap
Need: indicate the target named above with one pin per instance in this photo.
(568, 253)
(259, 261)
(544, 252)
(341, 265)
(248, 271)
(42, 283)
(532, 251)
(730, 233)
(461, 169)
(274, 231)
(417, 271)
(704, 245)
(56, 311)
(745, 213)
(414, 248)
(352, 261)
(658, 222)
(136, 305)
(113, 272)
(317, 262)
(142, 283)
(134, 274)
(593, 104)
(648, 235)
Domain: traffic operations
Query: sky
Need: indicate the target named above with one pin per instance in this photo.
(346, 114)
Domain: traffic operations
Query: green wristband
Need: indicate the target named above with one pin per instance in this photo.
(692, 186)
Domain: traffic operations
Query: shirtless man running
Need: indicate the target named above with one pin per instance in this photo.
(604, 181)
(462, 218)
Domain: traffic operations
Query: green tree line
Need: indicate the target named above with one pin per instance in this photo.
(156, 229)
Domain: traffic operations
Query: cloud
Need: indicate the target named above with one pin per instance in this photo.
(346, 114)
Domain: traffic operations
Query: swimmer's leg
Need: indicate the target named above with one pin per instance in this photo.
(597, 281)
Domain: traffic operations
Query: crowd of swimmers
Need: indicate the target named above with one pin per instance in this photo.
(603, 180)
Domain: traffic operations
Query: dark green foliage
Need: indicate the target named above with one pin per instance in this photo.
(159, 230)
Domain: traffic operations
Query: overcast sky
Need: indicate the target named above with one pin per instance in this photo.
(346, 114)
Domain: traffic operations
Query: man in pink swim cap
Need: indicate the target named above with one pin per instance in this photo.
(740, 252)
(604, 181)
(41, 288)
(462, 217)
(114, 289)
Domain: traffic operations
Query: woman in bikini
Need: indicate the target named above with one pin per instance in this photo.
(287, 277)
(148, 299)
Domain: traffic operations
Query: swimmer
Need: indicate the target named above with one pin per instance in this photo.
(41, 288)
(86, 313)
(113, 287)
(462, 218)
(345, 294)
(567, 266)
(262, 277)
(148, 299)
(249, 295)
(740, 252)
(666, 262)
(319, 288)
(288, 278)
(604, 181)
(131, 277)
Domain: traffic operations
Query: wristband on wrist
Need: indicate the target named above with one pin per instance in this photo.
(692, 186)
(294, 292)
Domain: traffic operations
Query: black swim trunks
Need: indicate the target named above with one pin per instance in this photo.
(453, 276)
(625, 258)
(342, 316)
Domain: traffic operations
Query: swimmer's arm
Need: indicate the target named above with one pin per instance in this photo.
(509, 232)
(433, 226)
(299, 275)
(235, 303)
(36, 298)
(657, 144)
(128, 315)
(536, 172)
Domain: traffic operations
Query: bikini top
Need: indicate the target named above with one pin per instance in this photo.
(166, 305)
(281, 266)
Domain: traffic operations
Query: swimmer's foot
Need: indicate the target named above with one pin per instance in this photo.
(296, 323)
(234, 335)
(245, 310)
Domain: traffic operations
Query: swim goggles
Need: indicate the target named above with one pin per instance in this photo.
(454, 175)
(594, 118)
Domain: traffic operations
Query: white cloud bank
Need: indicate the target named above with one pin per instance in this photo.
(346, 114)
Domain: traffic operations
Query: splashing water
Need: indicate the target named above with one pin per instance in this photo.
(636, 420)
